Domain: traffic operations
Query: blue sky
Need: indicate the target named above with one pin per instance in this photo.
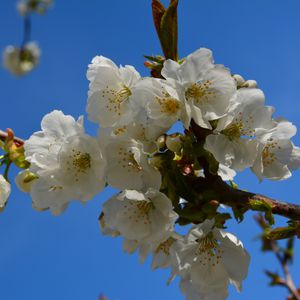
(65, 257)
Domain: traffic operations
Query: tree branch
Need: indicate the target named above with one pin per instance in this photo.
(243, 200)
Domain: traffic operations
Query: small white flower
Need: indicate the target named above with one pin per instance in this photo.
(56, 129)
(129, 166)
(159, 101)
(110, 101)
(210, 259)
(277, 155)
(69, 164)
(25, 7)
(4, 191)
(233, 143)
(146, 218)
(21, 61)
(204, 88)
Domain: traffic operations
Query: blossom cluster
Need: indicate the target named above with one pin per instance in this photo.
(132, 113)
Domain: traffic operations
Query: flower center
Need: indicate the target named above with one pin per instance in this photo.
(114, 98)
(208, 250)
(138, 211)
(199, 91)
(127, 160)
(233, 131)
(168, 105)
(78, 163)
(144, 207)
(81, 161)
(165, 246)
(268, 157)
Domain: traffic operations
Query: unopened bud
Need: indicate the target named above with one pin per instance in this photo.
(250, 84)
(24, 180)
(161, 142)
(214, 203)
(174, 143)
(238, 79)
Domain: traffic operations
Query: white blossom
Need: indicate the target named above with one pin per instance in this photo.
(20, 61)
(68, 163)
(25, 7)
(4, 191)
(277, 155)
(233, 141)
(146, 135)
(209, 259)
(129, 166)
(204, 88)
(159, 101)
(142, 217)
(111, 89)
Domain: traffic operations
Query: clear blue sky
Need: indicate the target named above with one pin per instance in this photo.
(65, 257)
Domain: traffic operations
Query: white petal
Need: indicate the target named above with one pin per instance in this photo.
(4, 191)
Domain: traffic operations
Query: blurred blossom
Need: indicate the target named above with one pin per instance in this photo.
(25, 7)
(20, 61)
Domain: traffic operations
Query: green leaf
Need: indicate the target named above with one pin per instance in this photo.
(260, 205)
(280, 233)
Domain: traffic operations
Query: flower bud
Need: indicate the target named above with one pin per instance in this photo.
(174, 143)
(250, 84)
(161, 142)
(24, 180)
(238, 79)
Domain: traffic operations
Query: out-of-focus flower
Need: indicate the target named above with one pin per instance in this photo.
(25, 7)
(20, 61)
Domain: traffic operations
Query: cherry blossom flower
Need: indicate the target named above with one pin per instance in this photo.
(20, 61)
(204, 88)
(277, 155)
(142, 217)
(110, 101)
(233, 143)
(129, 166)
(68, 163)
(209, 259)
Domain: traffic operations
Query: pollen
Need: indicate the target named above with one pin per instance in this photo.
(138, 211)
(115, 98)
(268, 156)
(199, 92)
(165, 246)
(208, 250)
(168, 105)
(233, 131)
(78, 163)
(127, 160)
